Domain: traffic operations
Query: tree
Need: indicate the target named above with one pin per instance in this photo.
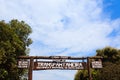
(14, 42)
(83, 75)
(111, 66)
(111, 63)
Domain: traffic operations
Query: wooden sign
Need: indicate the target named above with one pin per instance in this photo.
(96, 64)
(46, 65)
(58, 62)
(23, 64)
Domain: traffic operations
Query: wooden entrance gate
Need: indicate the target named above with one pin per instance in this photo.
(58, 62)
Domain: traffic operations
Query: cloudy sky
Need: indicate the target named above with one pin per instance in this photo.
(66, 28)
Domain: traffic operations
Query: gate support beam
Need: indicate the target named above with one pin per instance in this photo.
(31, 62)
(30, 69)
(88, 67)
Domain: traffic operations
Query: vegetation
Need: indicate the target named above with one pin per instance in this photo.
(14, 42)
(83, 75)
(111, 66)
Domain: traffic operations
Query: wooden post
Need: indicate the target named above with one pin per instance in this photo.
(88, 67)
(31, 58)
(30, 69)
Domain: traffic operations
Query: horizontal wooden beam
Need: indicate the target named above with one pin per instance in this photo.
(58, 57)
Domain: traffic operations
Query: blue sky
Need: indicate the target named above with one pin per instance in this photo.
(66, 27)
(112, 7)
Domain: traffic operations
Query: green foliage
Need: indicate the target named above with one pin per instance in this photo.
(110, 72)
(111, 66)
(111, 63)
(83, 75)
(109, 54)
(13, 43)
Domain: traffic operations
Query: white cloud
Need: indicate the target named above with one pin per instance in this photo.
(79, 27)
(63, 27)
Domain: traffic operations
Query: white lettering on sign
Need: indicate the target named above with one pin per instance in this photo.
(59, 60)
(23, 64)
(59, 65)
(96, 64)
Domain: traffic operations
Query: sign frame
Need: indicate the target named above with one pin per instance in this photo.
(23, 64)
(32, 59)
(49, 65)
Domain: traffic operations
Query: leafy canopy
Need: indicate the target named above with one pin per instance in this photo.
(111, 66)
(14, 41)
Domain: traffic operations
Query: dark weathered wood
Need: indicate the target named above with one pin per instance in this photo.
(49, 65)
(30, 69)
(32, 58)
(88, 66)
(51, 57)
(96, 57)
(57, 57)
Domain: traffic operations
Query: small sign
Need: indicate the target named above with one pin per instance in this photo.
(59, 57)
(96, 64)
(59, 60)
(42, 65)
(23, 64)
